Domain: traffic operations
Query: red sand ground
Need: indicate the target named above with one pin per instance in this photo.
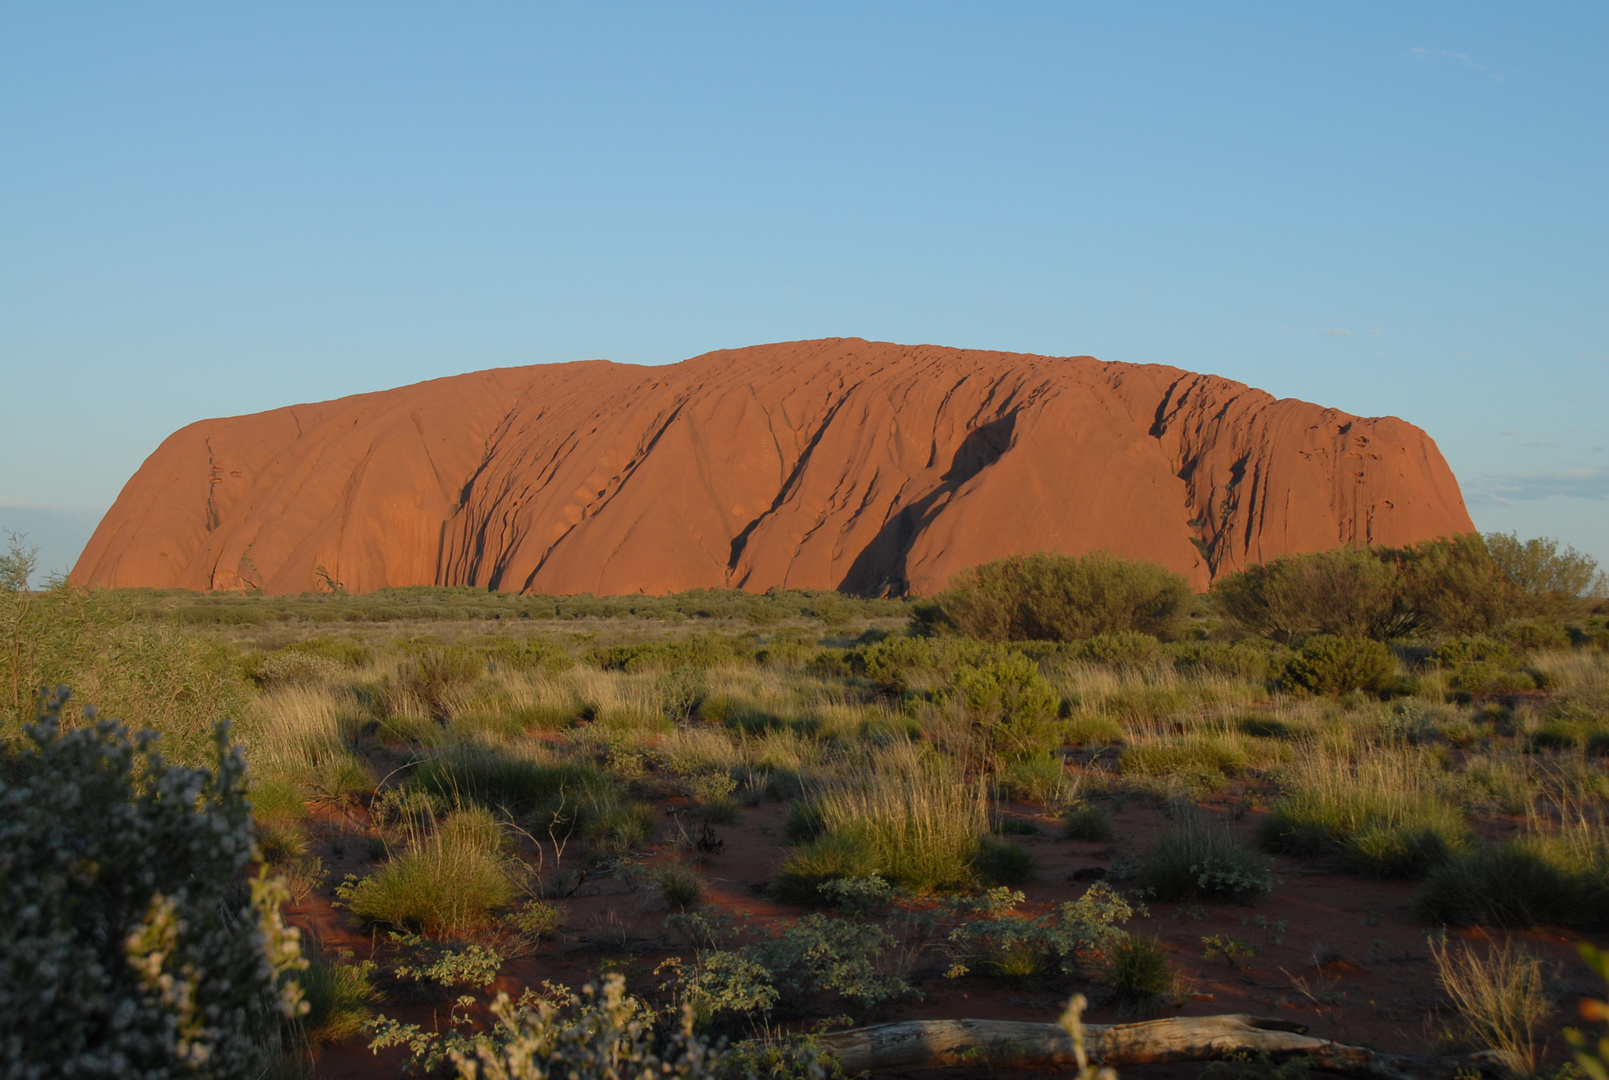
(838, 463)
(1377, 984)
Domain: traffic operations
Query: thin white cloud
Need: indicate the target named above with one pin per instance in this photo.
(1425, 55)
(1374, 333)
(1337, 332)
(1498, 489)
(1544, 442)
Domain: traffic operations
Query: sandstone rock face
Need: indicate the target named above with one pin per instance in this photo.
(838, 463)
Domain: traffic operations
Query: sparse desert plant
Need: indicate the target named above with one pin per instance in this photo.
(499, 778)
(1500, 996)
(619, 828)
(1345, 591)
(1196, 858)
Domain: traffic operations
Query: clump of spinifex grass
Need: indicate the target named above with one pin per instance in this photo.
(1556, 878)
(1198, 858)
(902, 813)
(1379, 812)
(447, 880)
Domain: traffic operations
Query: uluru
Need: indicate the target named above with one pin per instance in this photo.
(830, 464)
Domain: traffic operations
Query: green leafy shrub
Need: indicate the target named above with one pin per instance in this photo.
(1195, 859)
(130, 934)
(1002, 862)
(594, 1034)
(1012, 705)
(1548, 583)
(1537, 637)
(902, 664)
(1085, 821)
(993, 937)
(1051, 597)
(1333, 665)
(822, 954)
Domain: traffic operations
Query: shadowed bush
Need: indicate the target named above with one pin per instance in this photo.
(1050, 597)
(498, 779)
(1557, 880)
(1002, 862)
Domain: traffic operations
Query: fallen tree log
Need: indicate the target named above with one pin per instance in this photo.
(926, 1044)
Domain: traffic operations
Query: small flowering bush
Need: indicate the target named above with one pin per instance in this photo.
(132, 944)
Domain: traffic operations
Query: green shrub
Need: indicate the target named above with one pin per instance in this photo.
(994, 938)
(532, 654)
(436, 677)
(829, 857)
(901, 664)
(1136, 971)
(1085, 821)
(1345, 592)
(804, 823)
(130, 934)
(446, 883)
(1555, 880)
(822, 954)
(697, 651)
(1238, 660)
(1123, 648)
(1039, 778)
(619, 828)
(1051, 597)
(1012, 705)
(1537, 637)
(679, 887)
(1333, 665)
(339, 993)
(1098, 730)
(1548, 583)
(1198, 762)
(1002, 862)
(1194, 859)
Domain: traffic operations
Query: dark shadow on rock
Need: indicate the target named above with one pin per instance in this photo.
(879, 569)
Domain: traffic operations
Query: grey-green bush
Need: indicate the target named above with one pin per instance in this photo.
(133, 943)
(1045, 596)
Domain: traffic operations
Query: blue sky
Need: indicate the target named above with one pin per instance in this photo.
(1392, 209)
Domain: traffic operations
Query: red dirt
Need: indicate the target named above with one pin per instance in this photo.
(838, 463)
(1376, 984)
